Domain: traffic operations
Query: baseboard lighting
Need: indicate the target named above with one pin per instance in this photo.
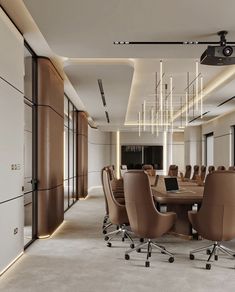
(44, 236)
(11, 263)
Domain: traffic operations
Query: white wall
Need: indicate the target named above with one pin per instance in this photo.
(223, 146)
(99, 155)
(11, 141)
(193, 145)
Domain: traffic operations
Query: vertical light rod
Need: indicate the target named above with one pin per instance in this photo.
(161, 97)
(186, 111)
(117, 154)
(144, 115)
(139, 121)
(196, 85)
(152, 121)
(201, 96)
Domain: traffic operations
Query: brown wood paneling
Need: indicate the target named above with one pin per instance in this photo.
(50, 148)
(50, 151)
(51, 207)
(82, 154)
(52, 86)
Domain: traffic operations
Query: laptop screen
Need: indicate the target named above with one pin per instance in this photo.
(171, 184)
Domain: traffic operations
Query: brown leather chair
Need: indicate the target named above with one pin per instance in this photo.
(195, 172)
(187, 175)
(120, 199)
(173, 170)
(145, 220)
(211, 169)
(116, 211)
(148, 168)
(221, 167)
(216, 218)
(231, 168)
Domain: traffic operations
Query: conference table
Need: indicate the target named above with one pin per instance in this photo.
(180, 203)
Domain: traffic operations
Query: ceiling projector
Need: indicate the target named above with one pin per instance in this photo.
(219, 55)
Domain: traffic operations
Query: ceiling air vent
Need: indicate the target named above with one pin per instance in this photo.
(102, 91)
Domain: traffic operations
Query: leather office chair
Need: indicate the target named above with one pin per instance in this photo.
(195, 172)
(145, 220)
(203, 173)
(216, 218)
(187, 175)
(117, 213)
(119, 198)
(211, 169)
(148, 168)
(231, 168)
(221, 167)
(173, 170)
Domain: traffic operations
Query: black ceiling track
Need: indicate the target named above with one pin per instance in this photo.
(107, 116)
(102, 91)
(205, 113)
(221, 34)
(227, 100)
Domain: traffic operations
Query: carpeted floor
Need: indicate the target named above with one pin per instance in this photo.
(76, 259)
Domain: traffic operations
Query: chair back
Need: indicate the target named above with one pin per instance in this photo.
(188, 170)
(211, 169)
(231, 168)
(195, 172)
(173, 170)
(221, 167)
(117, 212)
(147, 167)
(203, 173)
(216, 217)
(139, 204)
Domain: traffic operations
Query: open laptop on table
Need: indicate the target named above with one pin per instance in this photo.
(172, 186)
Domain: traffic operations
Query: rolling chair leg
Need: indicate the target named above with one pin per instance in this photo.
(216, 247)
(150, 244)
(124, 233)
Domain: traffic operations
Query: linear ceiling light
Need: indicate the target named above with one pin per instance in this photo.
(102, 92)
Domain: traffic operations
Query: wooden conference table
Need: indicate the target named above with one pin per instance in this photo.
(180, 203)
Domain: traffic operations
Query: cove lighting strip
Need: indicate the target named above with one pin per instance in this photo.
(11, 263)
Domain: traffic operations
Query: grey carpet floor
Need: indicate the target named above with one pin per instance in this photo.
(76, 258)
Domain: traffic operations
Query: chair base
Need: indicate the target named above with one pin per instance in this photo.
(150, 245)
(121, 230)
(213, 250)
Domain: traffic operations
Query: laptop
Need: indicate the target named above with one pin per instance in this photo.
(171, 185)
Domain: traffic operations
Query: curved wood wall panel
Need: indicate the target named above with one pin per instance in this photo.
(50, 148)
(82, 154)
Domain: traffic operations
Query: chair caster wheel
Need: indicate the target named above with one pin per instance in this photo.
(171, 260)
(163, 252)
(147, 264)
(106, 238)
(123, 239)
(141, 240)
(216, 257)
(138, 250)
(104, 232)
(233, 255)
(132, 245)
(150, 254)
(109, 244)
(208, 266)
(208, 251)
(127, 257)
(191, 256)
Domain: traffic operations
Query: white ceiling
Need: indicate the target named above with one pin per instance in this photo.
(84, 32)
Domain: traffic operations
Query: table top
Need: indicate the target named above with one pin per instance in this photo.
(191, 193)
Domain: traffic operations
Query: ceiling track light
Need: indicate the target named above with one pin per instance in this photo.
(100, 84)
(107, 117)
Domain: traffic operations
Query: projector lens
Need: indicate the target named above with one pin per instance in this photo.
(227, 51)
